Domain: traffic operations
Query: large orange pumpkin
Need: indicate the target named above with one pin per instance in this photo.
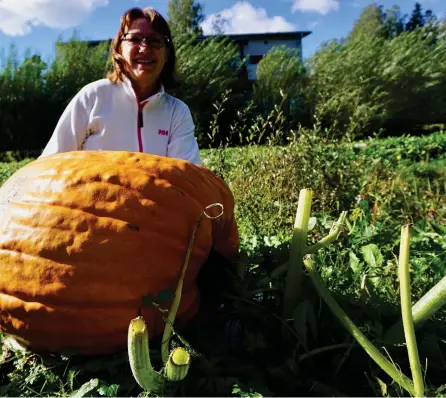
(90, 239)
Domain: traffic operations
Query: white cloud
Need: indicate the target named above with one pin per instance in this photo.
(242, 17)
(319, 6)
(17, 17)
(356, 4)
(359, 3)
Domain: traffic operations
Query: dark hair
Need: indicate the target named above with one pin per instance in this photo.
(160, 25)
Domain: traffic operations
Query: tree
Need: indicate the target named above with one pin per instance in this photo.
(218, 24)
(442, 28)
(207, 68)
(394, 22)
(280, 79)
(417, 19)
(375, 83)
(185, 16)
(369, 23)
(427, 21)
(430, 17)
(391, 23)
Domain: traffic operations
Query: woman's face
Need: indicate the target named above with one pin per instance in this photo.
(146, 58)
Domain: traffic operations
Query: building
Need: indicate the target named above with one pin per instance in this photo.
(256, 45)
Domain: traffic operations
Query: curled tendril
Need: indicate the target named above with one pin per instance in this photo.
(210, 207)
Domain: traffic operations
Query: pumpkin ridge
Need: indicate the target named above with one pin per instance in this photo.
(38, 256)
(15, 296)
(80, 210)
(153, 171)
(99, 212)
(60, 304)
(124, 185)
(122, 226)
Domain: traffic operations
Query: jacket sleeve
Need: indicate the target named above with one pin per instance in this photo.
(71, 128)
(183, 143)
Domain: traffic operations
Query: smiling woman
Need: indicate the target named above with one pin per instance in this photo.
(130, 109)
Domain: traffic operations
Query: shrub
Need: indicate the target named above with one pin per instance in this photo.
(363, 86)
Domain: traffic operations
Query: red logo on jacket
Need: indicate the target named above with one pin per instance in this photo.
(163, 132)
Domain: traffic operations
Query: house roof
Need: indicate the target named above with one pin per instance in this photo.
(263, 36)
(244, 36)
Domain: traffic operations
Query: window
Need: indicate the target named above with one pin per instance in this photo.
(255, 59)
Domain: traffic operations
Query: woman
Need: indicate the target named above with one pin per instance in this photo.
(129, 110)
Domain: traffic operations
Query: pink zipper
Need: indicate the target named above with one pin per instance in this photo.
(139, 120)
(140, 124)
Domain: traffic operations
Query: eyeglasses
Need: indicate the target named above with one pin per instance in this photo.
(154, 40)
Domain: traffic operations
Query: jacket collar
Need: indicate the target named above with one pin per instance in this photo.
(129, 90)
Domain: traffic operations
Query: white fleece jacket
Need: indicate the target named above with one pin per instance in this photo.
(107, 116)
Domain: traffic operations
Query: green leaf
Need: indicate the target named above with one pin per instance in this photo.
(355, 264)
(372, 255)
(368, 232)
(312, 223)
(109, 391)
(364, 205)
(383, 387)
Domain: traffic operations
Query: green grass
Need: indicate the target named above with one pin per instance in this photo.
(383, 185)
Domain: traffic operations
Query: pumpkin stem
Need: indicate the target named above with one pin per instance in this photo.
(177, 363)
(146, 376)
(177, 366)
(168, 330)
(139, 357)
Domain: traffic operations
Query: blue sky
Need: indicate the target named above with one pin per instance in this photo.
(36, 24)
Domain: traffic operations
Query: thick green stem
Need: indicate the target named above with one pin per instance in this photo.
(178, 364)
(422, 311)
(178, 361)
(168, 329)
(430, 303)
(343, 318)
(332, 236)
(139, 357)
(297, 252)
(406, 311)
(176, 367)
